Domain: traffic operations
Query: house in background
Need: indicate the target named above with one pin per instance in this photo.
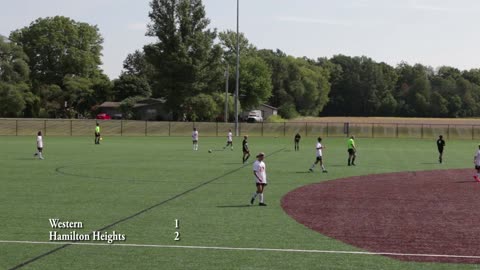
(147, 109)
(266, 110)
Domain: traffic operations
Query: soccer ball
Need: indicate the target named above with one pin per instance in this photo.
(101, 139)
(209, 150)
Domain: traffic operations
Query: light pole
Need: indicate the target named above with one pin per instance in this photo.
(238, 69)
(226, 94)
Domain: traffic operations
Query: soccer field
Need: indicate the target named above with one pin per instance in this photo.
(140, 186)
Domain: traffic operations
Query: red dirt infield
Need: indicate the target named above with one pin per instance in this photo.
(430, 212)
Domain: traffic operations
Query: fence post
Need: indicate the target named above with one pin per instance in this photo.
(146, 128)
(71, 127)
(373, 128)
(217, 128)
(422, 131)
(284, 129)
(473, 134)
(397, 131)
(121, 127)
(306, 129)
(327, 129)
(169, 128)
(448, 131)
(45, 127)
(262, 129)
(16, 127)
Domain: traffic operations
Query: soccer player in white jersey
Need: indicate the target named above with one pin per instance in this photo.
(260, 175)
(229, 140)
(195, 139)
(39, 146)
(319, 159)
(476, 161)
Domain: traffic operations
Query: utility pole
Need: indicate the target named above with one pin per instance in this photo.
(238, 69)
(226, 94)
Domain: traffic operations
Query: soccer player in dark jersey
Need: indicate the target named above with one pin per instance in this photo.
(440, 146)
(297, 141)
(246, 151)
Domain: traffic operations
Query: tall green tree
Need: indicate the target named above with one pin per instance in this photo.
(228, 41)
(186, 59)
(130, 86)
(255, 84)
(16, 99)
(63, 53)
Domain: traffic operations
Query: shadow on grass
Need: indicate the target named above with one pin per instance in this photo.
(234, 206)
(32, 158)
(428, 163)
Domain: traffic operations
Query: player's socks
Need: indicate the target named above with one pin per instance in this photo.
(348, 161)
(253, 198)
(261, 197)
(323, 168)
(40, 155)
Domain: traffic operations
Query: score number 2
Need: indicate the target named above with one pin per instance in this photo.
(177, 233)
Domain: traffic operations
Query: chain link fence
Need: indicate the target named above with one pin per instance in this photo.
(54, 127)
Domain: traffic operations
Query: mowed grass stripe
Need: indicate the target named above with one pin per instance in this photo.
(140, 212)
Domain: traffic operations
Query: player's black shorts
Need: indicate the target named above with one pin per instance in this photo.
(97, 134)
(229, 143)
(39, 149)
(477, 167)
(195, 141)
(351, 151)
(319, 158)
(440, 150)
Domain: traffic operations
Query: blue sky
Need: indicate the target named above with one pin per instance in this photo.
(431, 32)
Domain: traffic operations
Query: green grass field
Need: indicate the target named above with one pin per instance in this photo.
(138, 186)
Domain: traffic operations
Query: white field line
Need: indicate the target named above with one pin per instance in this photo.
(242, 249)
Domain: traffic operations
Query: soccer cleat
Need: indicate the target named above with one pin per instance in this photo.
(262, 204)
(252, 200)
(310, 170)
(325, 171)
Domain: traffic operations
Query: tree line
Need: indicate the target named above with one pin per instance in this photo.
(51, 68)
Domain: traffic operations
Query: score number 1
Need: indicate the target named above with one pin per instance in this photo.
(177, 233)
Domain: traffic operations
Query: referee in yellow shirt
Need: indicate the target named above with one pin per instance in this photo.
(351, 151)
(97, 134)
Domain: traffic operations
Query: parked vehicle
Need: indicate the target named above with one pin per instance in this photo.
(117, 116)
(103, 116)
(255, 116)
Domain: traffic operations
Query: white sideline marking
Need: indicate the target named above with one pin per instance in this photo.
(244, 249)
